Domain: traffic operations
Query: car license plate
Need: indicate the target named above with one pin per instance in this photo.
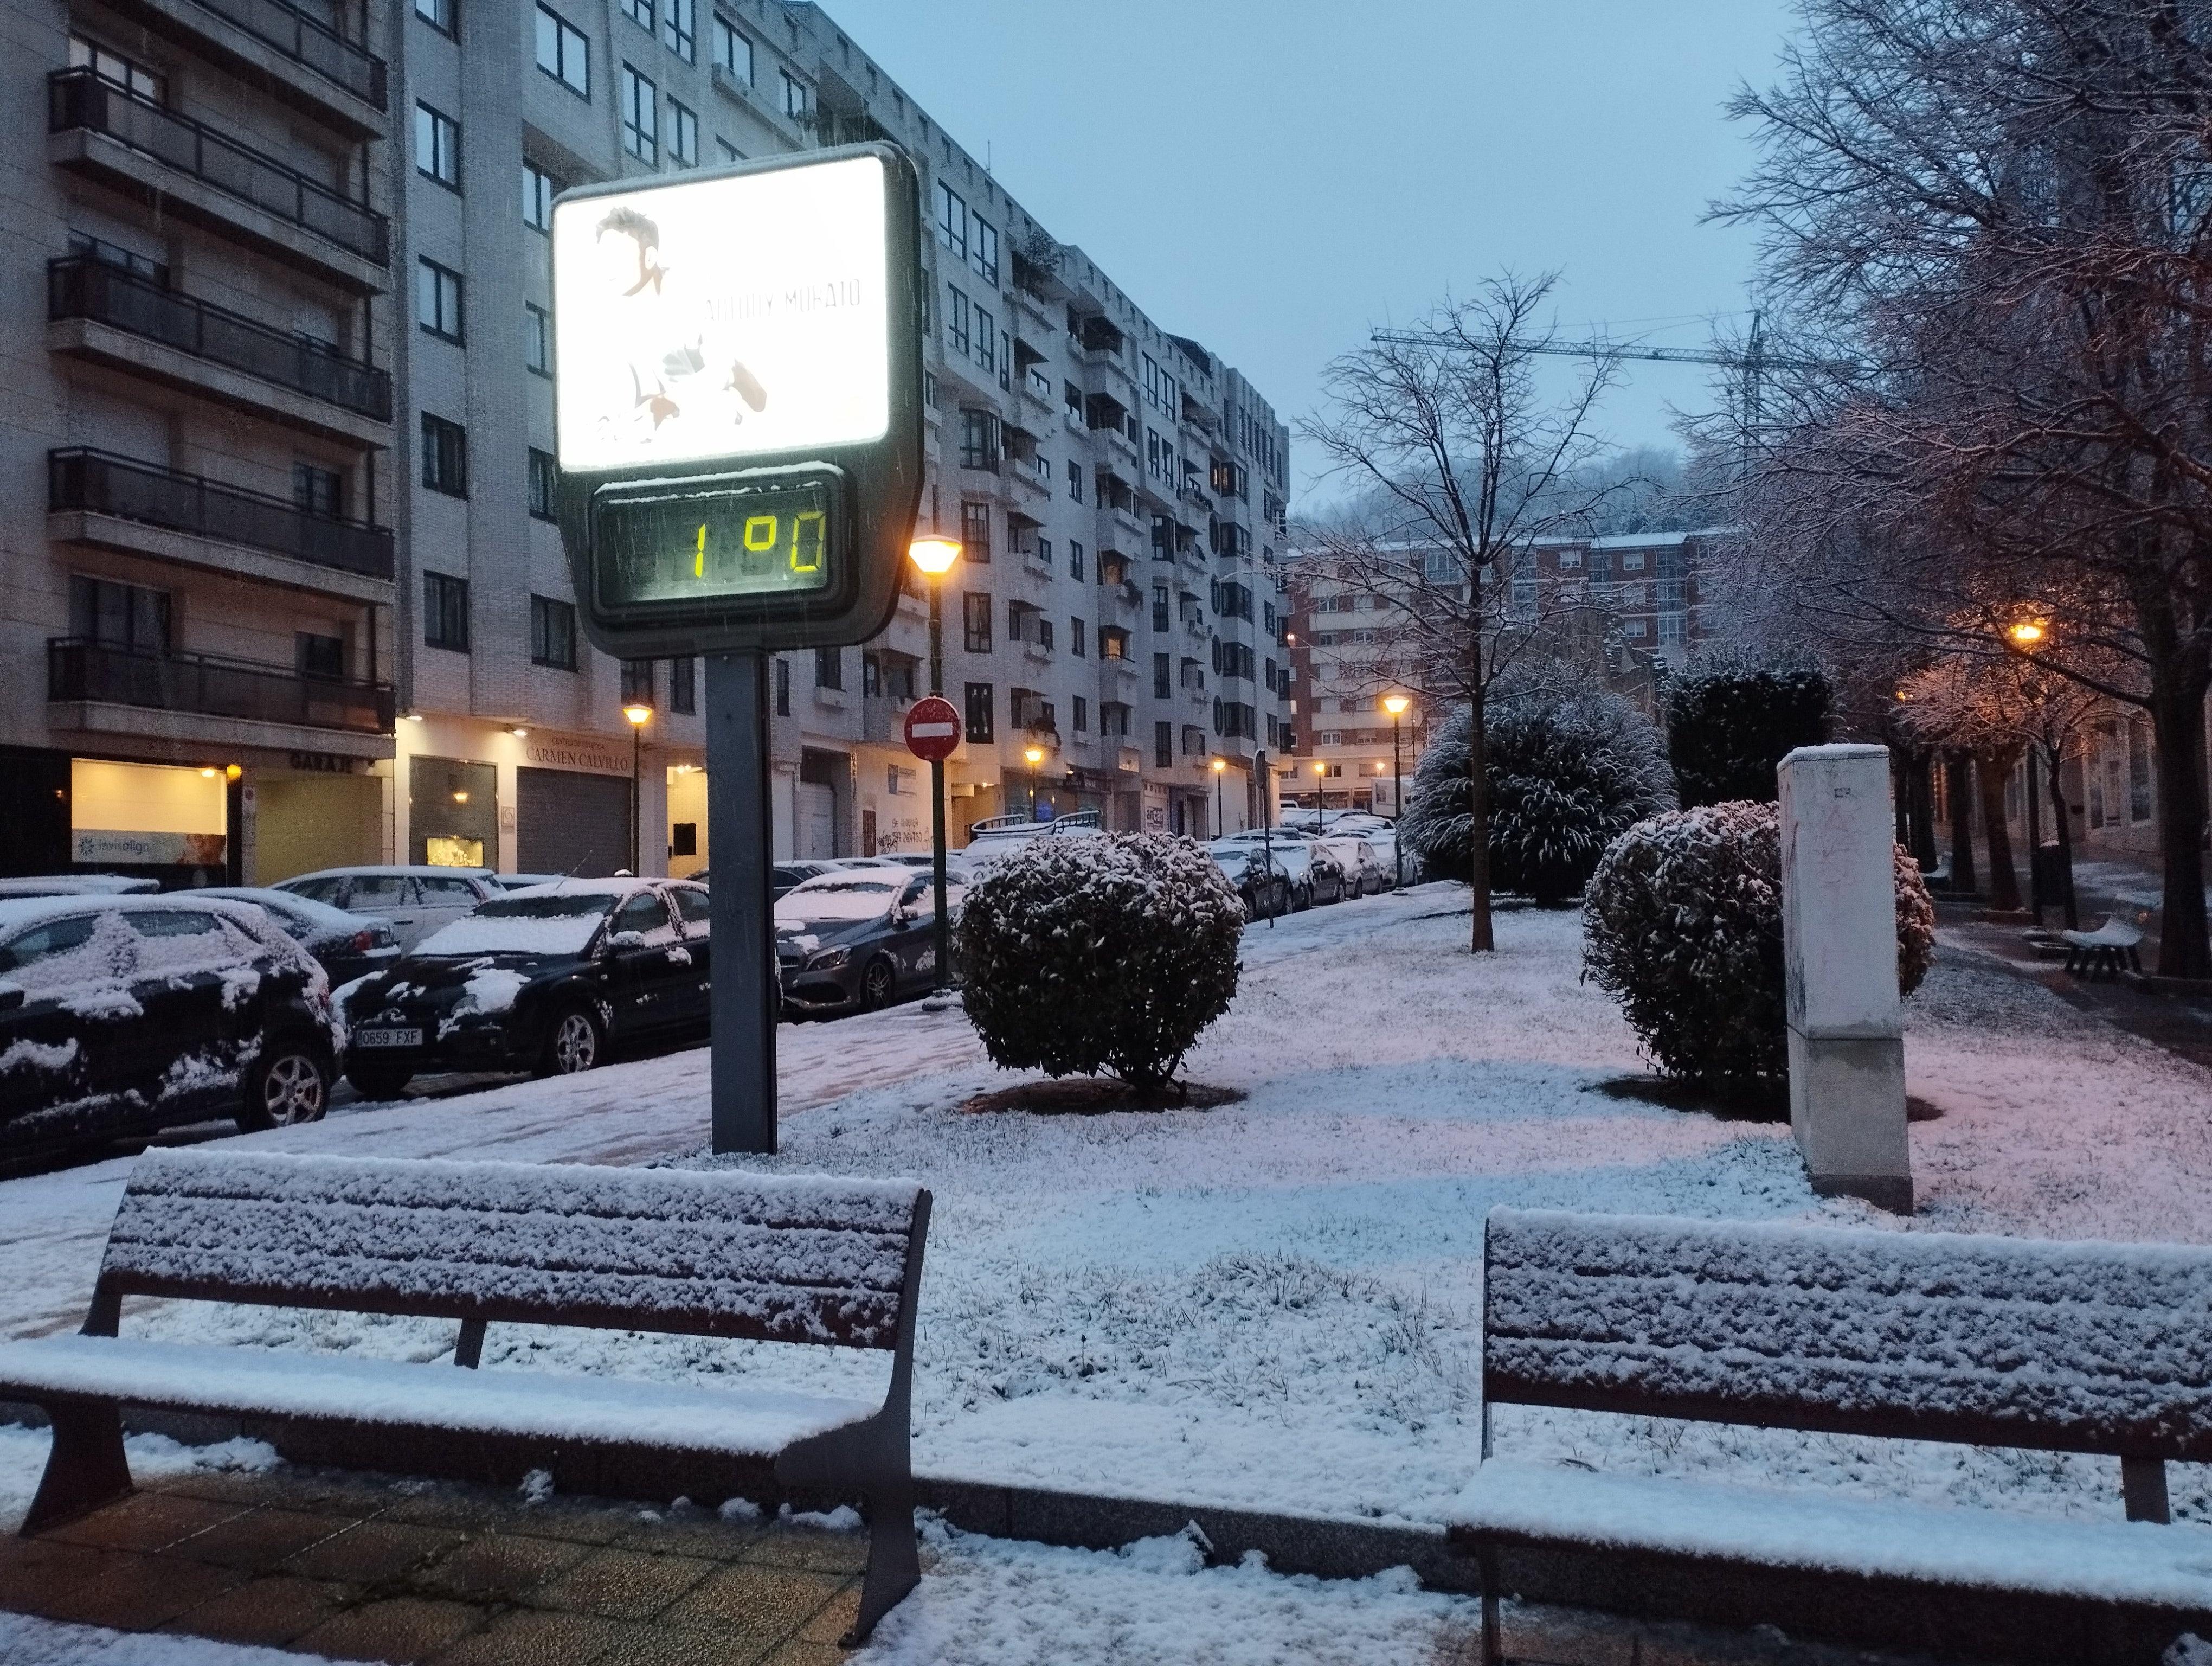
(408, 1038)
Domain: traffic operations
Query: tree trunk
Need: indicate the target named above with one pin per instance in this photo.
(2005, 881)
(2053, 756)
(1920, 783)
(1959, 789)
(1482, 940)
(2176, 716)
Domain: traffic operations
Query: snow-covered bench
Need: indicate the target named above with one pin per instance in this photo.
(2113, 942)
(2008, 1342)
(724, 1254)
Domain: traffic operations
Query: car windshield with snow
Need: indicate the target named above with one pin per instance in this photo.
(859, 939)
(122, 1015)
(552, 980)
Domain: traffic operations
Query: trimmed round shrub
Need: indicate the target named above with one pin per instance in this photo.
(1732, 717)
(1567, 775)
(1099, 952)
(1682, 924)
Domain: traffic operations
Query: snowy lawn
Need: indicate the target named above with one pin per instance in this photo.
(1274, 1303)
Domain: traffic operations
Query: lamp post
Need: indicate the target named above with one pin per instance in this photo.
(1220, 828)
(1033, 755)
(639, 713)
(935, 557)
(1395, 704)
(1321, 772)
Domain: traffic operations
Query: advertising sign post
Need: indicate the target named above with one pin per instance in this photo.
(738, 419)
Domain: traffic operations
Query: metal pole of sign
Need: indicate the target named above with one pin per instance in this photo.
(744, 986)
(1397, 797)
(1267, 824)
(943, 930)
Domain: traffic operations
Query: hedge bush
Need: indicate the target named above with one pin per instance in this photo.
(1089, 952)
(1731, 718)
(1682, 924)
(1567, 775)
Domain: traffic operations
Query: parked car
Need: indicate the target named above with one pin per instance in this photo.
(525, 881)
(1315, 875)
(859, 939)
(1364, 872)
(124, 1015)
(77, 884)
(418, 901)
(550, 980)
(1259, 875)
(345, 945)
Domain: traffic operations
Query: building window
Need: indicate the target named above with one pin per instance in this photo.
(733, 49)
(111, 66)
(1164, 745)
(539, 188)
(727, 153)
(437, 146)
(975, 616)
(438, 300)
(637, 683)
(638, 12)
(679, 24)
(1075, 643)
(1075, 480)
(1074, 559)
(537, 339)
(321, 659)
(975, 530)
(987, 340)
(980, 705)
(956, 320)
(640, 116)
(124, 616)
(682, 136)
(438, 13)
(829, 668)
(563, 51)
(783, 688)
(445, 456)
(543, 476)
(1082, 715)
(1162, 676)
(983, 249)
(445, 612)
(979, 438)
(552, 633)
(952, 220)
(794, 94)
(112, 254)
(318, 490)
(683, 685)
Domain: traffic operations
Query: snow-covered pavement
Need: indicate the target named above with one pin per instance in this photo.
(1272, 1305)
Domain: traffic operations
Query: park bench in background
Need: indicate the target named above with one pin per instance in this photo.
(730, 1254)
(2007, 1342)
(2111, 946)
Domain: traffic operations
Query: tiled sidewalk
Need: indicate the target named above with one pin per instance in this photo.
(357, 1567)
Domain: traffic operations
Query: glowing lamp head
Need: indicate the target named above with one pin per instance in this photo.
(639, 713)
(1321, 768)
(233, 771)
(1034, 754)
(1219, 764)
(2026, 634)
(207, 775)
(1395, 704)
(933, 554)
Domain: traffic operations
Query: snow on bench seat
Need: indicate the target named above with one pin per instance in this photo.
(293, 1383)
(2165, 1566)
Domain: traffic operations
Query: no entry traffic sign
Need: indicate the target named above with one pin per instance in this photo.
(932, 729)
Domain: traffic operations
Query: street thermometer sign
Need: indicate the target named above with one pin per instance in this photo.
(737, 402)
(736, 399)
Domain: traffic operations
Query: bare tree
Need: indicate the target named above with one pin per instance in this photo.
(1464, 466)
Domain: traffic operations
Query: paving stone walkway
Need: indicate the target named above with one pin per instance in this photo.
(370, 1568)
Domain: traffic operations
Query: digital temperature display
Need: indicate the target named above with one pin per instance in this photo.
(658, 546)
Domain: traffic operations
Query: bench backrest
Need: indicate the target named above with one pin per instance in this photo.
(773, 1258)
(2092, 1348)
(2141, 912)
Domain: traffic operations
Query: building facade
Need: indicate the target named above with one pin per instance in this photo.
(197, 598)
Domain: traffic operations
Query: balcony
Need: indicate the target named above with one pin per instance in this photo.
(883, 719)
(117, 503)
(183, 168)
(267, 43)
(81, 670)
(100, 311)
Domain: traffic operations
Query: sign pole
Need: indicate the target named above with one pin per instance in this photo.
(944, 928)
(745, 987)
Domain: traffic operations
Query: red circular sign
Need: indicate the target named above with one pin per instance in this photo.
(932, 729)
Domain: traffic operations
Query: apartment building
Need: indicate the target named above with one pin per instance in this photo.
(1612, 606)
(197, 601)
(1119, 491)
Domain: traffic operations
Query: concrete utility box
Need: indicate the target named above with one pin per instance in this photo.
(1840, 943)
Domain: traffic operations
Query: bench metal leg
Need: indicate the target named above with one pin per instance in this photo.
(2142, 1487)
(86, 1468)
(894, 1559)
(1493, 1641)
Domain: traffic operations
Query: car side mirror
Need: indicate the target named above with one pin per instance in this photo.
(12, 997)
(627, 940)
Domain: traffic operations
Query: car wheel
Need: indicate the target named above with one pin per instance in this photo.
(575, 1042)
(877, 979)
(1301, 898)
(373, 1082)
(288, 1084)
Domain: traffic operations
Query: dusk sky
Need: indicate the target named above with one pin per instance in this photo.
(1273, 178)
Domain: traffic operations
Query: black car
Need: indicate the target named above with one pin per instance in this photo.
(123, 1015)
(549, 979)
(1260, 877)
(346, 945)
(858, 938)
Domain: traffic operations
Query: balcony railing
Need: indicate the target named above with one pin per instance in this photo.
(99, 482)
(80, 99)
(308, 41)
(78, 668)
(79, 287)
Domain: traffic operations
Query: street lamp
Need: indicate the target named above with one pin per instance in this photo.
(1033, 756)
(1321, 769)
(2026, 634)
(1220, 828)
(934, 557)
(639, 713)
(1395, 704)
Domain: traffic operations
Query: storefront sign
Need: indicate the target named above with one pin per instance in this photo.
(106, 847)
(546, 755)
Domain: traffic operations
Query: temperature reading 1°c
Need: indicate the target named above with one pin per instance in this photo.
(672, 549)
(761, 536)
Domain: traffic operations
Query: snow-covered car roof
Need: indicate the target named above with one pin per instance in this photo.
(77, 884)
(591, 888)
(412, 870)
(20, 911)
(321, 915)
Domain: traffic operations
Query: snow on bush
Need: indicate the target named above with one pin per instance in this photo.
(1732, 717)
(1085, 953)
(1568, 773)
(1682, 924)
